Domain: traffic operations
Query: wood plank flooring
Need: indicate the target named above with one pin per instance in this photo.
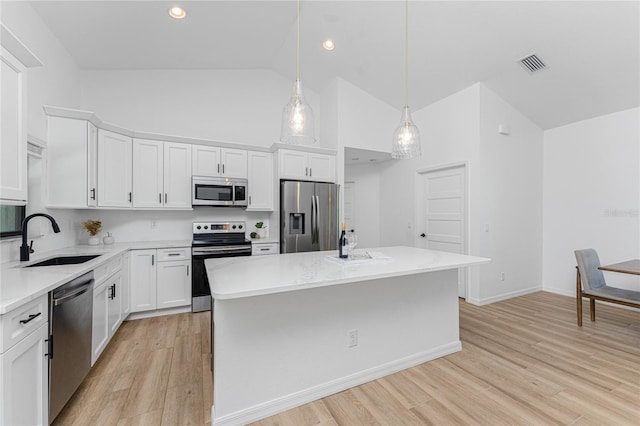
(524, 361)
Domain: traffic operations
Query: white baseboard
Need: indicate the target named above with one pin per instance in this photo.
(158, 313)
(296, 399)
(504, 296)
(561, 291)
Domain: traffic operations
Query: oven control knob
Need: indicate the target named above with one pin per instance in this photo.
(206, 227)
(239, 226)
(198, 227)
(233, 227)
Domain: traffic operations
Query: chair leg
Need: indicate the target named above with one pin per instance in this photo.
(579, 297)
(592, 309)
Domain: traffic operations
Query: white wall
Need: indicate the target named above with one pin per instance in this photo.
(241, 106)
(367, 202)
(591, 197)
(57, 83)
(511, 188)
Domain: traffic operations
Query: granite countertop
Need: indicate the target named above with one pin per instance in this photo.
(19, 285)
(237, 277)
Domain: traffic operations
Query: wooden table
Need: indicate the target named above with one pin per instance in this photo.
(628, 267)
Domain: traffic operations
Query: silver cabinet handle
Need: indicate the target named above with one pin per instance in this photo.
(173, 254)
(31, 318)
(187, 270)
(130, 197)
(306, 171)
(223, 169)
(310, 172)
(218, 167)
(93, 193)
(249, 199)
(165, 198)
(153, 258)
(160, 198)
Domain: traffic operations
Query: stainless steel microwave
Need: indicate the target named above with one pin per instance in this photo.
(218, 191)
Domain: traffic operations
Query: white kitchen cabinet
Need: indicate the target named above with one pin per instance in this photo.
(215, 162)
(264, 248)
(24, 381)
(260, 181)
(114, 169)
(100, 325)
(126, 286)
(13, 142)
(143, 278)
(72, 169)
(160, 278)
(309, 166)
(161, 174)
(177, 175)
(148, 173)
(174, 284)
(108, 309)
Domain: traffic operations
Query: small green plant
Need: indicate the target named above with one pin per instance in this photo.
(259, 225)
(254, 235)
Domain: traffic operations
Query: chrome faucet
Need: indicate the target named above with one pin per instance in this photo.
(26, 250)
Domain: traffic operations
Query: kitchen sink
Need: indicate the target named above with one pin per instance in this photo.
(64, 260)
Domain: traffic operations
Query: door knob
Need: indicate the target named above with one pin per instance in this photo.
(423, 235)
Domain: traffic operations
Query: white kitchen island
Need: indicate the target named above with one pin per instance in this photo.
(293, 328)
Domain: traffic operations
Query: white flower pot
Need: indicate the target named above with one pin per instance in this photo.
(94, 240)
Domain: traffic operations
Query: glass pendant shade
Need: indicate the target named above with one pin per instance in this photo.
(297, 120)
(406, 138)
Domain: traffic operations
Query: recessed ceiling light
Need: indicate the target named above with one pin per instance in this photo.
(328, 44)
(177, 12)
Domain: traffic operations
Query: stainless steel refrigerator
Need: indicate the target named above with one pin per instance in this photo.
(308, 216)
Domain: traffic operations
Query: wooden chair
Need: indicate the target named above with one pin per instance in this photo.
(590, 283)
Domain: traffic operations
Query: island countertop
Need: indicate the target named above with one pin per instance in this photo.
(238, 277)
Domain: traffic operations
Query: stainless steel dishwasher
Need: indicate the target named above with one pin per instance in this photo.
(71, 319)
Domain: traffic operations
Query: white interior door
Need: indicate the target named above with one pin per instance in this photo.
(350, 205)
(441, 223)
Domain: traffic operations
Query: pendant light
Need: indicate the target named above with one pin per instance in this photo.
(406, 138)
(297, 116)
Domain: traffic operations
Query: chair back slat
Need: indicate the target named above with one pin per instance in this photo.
(588, 263)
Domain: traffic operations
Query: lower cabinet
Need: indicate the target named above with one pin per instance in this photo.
(160, 278)
(110, 303)
(24, 381)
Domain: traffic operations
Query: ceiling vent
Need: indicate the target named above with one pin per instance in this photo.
(532, 63)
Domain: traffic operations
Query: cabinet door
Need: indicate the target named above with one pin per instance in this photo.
(125, 293)
(24, 377)
(292, 165)
(13, 142)
(92, 165)
(322, 167)
(261, 179)
(143, 280)
(206, 160)
(174, 284)
(114, 169)
(177, 175)
(148, 190)
(114, 305)
(234, 163)
(100, 326)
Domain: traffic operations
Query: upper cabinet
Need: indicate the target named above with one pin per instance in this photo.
(13, 145)
(161, 174)
(310, 166)
(114, 169)
(260, 181)
(72, 168)
(214, 162)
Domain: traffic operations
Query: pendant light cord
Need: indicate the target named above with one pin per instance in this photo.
(298, 46)
(406, 53)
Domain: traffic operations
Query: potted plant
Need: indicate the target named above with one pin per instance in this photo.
(93, 227)
(261, 230)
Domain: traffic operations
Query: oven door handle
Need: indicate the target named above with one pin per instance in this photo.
(196, 252)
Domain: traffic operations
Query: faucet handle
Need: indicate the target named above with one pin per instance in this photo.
(31, 247)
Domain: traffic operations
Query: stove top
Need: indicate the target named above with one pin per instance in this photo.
(219, 234)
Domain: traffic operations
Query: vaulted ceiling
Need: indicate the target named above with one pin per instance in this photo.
(592, 48)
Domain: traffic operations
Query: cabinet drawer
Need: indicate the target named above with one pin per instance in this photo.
(181, 253)
(262, 249)
(12, 330)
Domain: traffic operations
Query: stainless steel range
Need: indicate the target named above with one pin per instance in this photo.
(213, 240)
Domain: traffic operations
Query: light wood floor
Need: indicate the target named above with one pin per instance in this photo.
(524, 361)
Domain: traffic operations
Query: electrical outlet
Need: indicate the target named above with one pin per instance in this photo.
(353, 338)
(501, 276)
(154, 224)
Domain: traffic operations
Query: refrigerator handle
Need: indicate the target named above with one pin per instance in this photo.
(313, 219)
(317, 218)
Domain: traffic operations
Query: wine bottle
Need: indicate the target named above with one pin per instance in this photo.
(343, 242)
